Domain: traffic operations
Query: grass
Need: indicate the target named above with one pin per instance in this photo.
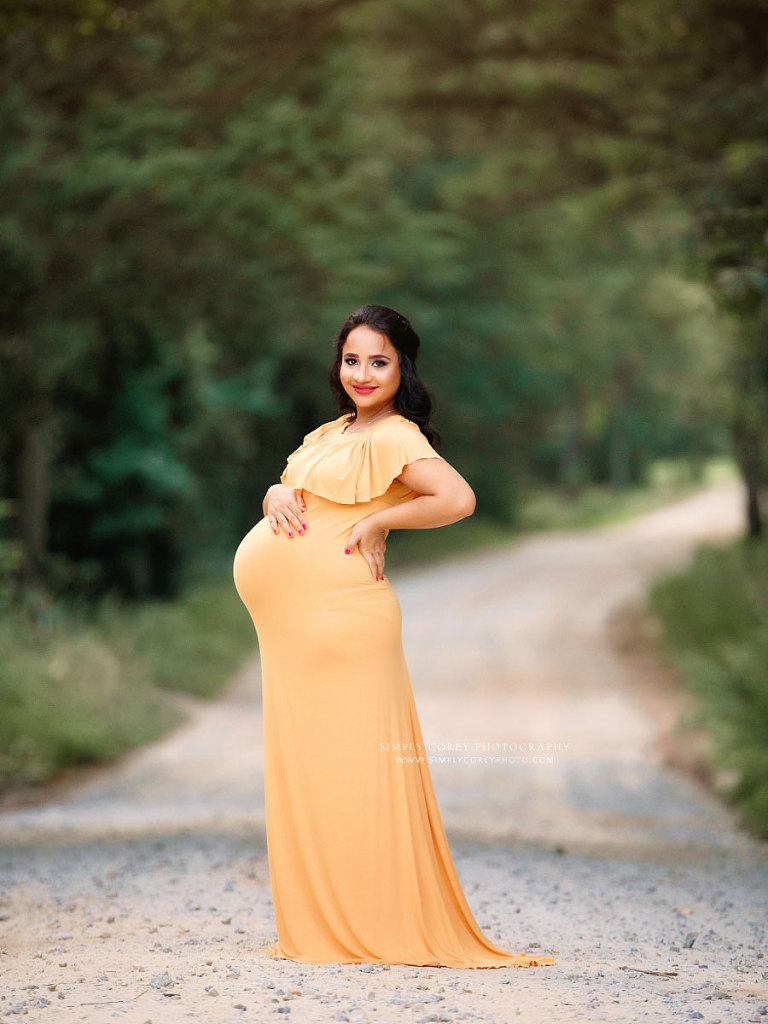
(81, 687)
(714, 618)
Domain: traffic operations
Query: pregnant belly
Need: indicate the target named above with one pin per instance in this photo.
(283, 579)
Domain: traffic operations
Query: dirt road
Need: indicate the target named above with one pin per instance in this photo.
(142, 892)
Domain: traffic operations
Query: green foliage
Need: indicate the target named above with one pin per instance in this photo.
(78, 687)
(618, 105)
(195, 196)
(715, 626)
(170, 204)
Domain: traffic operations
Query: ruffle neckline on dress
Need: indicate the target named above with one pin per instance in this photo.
(356, 467)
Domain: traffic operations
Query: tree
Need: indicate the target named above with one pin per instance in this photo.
(632, 98)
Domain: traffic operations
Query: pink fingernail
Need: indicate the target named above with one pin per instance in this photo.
(274, 531)
(290, 534)
(304, 525)
(346, 551)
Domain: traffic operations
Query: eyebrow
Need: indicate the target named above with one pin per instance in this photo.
(379, 356)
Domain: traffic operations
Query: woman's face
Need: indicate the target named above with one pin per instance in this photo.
(370, 370)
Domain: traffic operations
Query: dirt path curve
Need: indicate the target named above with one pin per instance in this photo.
(142, 890)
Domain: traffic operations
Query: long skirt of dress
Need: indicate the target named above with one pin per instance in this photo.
(360, 867)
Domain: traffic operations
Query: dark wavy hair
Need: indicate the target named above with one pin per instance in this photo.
(411, 399)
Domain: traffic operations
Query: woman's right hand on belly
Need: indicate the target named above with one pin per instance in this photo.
(284, 507)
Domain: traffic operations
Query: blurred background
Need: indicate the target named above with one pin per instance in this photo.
(567, 200)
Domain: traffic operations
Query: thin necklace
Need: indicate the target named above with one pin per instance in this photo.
(369, 423)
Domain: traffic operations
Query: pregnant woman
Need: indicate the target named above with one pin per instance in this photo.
(359, 863)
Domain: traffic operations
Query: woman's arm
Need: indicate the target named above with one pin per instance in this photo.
(443, 497)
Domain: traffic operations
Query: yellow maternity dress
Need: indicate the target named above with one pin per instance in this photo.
(359, 863)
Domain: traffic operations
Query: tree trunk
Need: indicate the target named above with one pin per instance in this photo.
(749, 447)
(748, 452)
(34, 498)
(572, 470)
(754, 512)
(618, 450)
(619, 441)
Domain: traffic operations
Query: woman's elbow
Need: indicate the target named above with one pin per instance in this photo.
(466, 503)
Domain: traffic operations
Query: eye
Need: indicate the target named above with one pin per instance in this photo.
(380, 362)
(349, 360)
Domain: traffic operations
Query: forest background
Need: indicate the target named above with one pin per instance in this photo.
(568, 201)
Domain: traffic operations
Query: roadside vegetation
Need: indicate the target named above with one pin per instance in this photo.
(714, 618)
(84, 685)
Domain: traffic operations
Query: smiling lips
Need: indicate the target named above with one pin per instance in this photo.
(363, 391)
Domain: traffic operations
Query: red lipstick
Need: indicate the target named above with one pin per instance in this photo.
(363, 391)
